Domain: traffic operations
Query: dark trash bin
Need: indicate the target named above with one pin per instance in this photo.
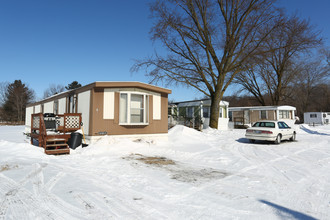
(75, 140)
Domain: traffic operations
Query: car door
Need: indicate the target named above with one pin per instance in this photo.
(285, 130)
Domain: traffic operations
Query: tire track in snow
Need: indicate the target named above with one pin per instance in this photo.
(294, 163)
(93, 211)
(62, 209)
(249, 168)
(41, 203)
(21, 202)
(128, 205)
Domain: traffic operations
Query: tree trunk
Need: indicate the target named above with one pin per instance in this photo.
(215, 105)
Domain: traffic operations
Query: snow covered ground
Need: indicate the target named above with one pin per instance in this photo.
(195, 175)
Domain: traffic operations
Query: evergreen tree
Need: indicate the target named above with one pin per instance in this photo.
(17, 96)
(73, 85)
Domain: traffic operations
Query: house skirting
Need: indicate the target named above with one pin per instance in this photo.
(134, 137)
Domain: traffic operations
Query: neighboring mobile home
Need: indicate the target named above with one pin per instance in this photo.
(133, 109)
(196, 113)
(247, 116)
(317, 118)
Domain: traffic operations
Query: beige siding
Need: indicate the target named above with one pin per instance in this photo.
(28, 112)
(37, 109)
(112, 127)
(271, 115)
(62, 106)
(254, 116)
(83, 108)
(157, 107)
(49, 107)
(109, 104)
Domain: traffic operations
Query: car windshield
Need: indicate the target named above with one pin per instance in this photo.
(264, 124)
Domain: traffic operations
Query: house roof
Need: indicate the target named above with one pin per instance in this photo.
(280, 107)
(106, 84)
(205, 102)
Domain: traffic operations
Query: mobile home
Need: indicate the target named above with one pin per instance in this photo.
(247, 116)
(131, 109)
(196, 113)
(317, 118)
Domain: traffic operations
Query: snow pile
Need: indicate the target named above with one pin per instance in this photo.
(195, 175)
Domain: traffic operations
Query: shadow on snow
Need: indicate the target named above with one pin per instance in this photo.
(285, 213)
(312, 132)
(247, 141)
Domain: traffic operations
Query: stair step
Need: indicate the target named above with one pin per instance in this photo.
(55, 139)
(58, 151)
(57, 148)
(56, 145)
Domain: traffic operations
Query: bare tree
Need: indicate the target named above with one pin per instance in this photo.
(273, 73)
(312, 75)
(207, 42)
(53, 90)
(3, 90)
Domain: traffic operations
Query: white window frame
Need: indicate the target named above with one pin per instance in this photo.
(128, 110)
(283, 113)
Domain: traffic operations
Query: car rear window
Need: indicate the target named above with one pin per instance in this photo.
(264, 124)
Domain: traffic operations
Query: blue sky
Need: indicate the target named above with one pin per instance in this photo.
(45, 42)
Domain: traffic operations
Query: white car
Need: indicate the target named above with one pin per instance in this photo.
(270, 131)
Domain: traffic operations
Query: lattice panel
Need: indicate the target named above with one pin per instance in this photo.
(36, 121)
(60, 121)
(72, 122)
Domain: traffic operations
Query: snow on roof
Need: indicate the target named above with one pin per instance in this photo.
(205, 102)
(280, 107)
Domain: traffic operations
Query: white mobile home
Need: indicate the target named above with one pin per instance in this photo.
(196, 113)
(317, 118)
(246, 116)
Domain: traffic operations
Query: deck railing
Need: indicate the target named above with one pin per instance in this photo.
(67, 122)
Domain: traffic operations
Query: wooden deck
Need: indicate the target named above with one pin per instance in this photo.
(54, 144)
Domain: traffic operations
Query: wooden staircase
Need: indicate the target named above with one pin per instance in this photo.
(56, 146)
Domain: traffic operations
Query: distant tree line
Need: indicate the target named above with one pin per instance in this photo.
(14, 97)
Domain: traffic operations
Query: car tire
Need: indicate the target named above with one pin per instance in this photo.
(252, 141)
(278, 139)
(293, 138)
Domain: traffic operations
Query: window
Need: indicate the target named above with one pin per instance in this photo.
(133, 108)
(284, 114)
(264, 124)
(263, 114)
(72, 104)
(220, 112)
(206, 112)
(282, 125)
(182, 111)
(313, 115)
(190, 112)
